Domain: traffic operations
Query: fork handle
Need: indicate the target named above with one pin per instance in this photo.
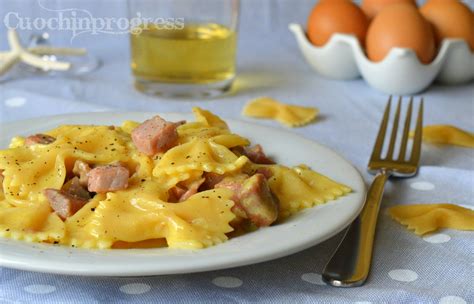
(350, 264)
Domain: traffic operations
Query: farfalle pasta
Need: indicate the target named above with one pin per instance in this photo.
(427, 218)
(158, 183)
(289, 115)
(448, 135)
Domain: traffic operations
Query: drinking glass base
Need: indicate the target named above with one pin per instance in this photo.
(183, 90)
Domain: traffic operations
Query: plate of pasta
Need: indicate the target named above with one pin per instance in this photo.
(131, 194)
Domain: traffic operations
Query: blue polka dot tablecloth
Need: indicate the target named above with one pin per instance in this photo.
(436, 268)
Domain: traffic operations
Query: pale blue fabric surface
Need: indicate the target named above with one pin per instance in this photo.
(269, 64)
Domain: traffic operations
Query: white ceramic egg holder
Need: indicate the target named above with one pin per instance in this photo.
(400, 73)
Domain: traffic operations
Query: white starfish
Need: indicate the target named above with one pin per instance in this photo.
(32, 56)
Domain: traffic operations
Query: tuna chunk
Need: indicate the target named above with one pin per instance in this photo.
(63, 203)
(191, 189)
(41, 139)
(253, 198)
(76, 189)
(175, 193)
(180, 193)
(155, 135)
(258, 201)
(108, 178)
(81, 169)
(257, 155)
(67, 201)
(211, 179)
(265, 171)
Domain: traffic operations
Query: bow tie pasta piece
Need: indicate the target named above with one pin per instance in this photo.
(128, 126)
(230, 140)
(209, 119)
(198, 130)
(80, 227)
(49, 164)
(299, 188)
(199, 155)
(30, 222)
(207, 214)
(170, 180)
(83, 229)
(431, 217)
(289, 115)
(141, 164)
(136, 214)
(27, 173)
(447, 135)
(100, 144)
(16, 142)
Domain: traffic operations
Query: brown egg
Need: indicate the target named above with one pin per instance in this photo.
(400, 25)
(373, 7)
(336, 16)
(450, 19)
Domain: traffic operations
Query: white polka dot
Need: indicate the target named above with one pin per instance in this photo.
(313, 278)
(423, 186)
(437, 238)
(452, 300)
(403, 275)
(227, 282)
(39, 289)
(135, 288)
(15, 102)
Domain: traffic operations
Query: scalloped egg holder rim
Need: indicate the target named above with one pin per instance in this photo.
(399, 73)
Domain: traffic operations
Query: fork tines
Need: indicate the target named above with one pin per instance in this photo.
(416, 147)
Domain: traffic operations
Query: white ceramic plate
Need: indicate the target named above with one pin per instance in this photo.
(299, 232)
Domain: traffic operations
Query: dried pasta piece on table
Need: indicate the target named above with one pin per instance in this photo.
(300, 187)
(431, 217)
(289, 115)
(448, 135)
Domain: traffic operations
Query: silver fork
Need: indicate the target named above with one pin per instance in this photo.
(350, 264)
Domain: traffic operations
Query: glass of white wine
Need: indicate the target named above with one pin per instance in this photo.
(183, 48)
